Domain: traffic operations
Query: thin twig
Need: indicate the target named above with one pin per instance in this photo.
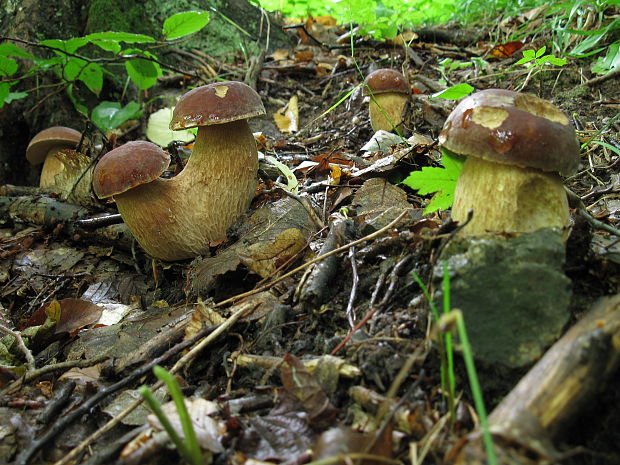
(353, 294)
(20, 343)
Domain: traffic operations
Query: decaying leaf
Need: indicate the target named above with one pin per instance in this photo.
(287, 118)
(379, 203)
(264, 258)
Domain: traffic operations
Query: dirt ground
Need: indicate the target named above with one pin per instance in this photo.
(99, 313)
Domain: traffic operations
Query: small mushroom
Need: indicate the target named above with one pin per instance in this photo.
(517, 146)
(389, 93)
(43, 149)
(178, 218)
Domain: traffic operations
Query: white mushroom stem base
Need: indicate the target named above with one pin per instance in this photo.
(178, 218)
(386, 111)
(506, 198)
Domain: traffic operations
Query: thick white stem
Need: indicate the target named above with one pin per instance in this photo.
(509, 199)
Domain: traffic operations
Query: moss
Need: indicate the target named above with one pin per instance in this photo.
(120, 15)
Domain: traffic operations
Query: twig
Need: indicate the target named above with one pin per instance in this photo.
(36, 444)
(597, 80)
(313, 261)
(353, 294)
(20, 343)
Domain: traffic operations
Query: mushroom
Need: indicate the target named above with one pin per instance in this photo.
(43, 149)
(178, 218)
(389, 94)
(517, 145)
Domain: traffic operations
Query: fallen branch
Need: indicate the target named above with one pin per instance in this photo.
(532, 417)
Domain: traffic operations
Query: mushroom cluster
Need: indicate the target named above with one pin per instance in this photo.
(517, 146)
(182, 217)
(389, 93)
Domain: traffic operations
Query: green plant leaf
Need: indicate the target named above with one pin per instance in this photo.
(541, 51)
(4, 92)
(609, 62)
(552, 59)
(108, 45)
(15, 96)
(110, 115)
(455, 92)
(115, 36)
(8, 66)
(143, 73)
(185, 23)
(68, 46)
(92, 76)
(441, 181)
(9, 49)
(79, 106)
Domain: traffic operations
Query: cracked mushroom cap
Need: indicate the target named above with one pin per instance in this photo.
(217, 103)
(385, 80)
(507, 127)
(128, 166)
(44, 141)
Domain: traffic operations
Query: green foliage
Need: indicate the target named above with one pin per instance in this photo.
(188, 446)
(539, 59)
(441, 181)
(610, 62)
(379, 18)
(455, 92)
(182, 24)
(110, 115)
(72, 67)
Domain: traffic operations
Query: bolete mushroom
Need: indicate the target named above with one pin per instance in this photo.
(517, 145)
(182, 217)
(43, 149)
(389, 93)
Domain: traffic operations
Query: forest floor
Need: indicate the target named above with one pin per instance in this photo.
(280, 360)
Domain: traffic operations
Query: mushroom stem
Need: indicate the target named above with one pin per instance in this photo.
(182, 217)
(386, 111)
(523, 199)
(51, 167)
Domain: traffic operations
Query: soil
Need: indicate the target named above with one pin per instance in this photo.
(267, 406)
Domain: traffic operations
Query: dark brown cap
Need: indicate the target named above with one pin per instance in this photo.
(217, 103)
(512, 128)
(44, 141)
(386, 80)
(128, 166)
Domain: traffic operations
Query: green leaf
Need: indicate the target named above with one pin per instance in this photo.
(609, 62)
(541, 51)
(8, 66)
(9, 49)
(528, 55)
(108, 45)
(110, 115)
(15, 96)
(143, 73)
(4, 92)
(92, 76)
(68, 46)
(552, 59)
(182, 24)
(442, 181)
(126, 37)
(79, 106)
(455, 92)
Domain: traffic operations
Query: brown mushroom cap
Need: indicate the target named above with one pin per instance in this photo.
(507, 127)
(44, 141)
(384, 81)
(128, 166)
(217, 103)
